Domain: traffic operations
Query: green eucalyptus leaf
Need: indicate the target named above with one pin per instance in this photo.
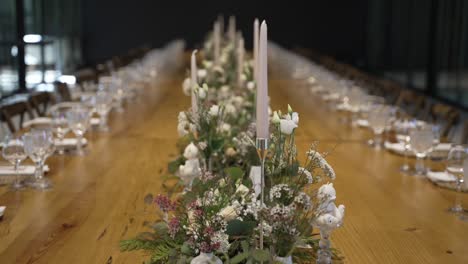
(261, 255)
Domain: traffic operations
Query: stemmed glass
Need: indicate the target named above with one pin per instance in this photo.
(103, 101)
(13, 151)
(116, 87)
(421, 142)
(378, 117)
(60, 125)
(402, 129)
(456, 159)
(38, 145)
(78, 119)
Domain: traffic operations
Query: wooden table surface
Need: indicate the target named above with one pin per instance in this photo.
(97, 200)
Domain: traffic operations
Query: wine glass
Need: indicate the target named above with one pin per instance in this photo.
(116, 87)
(38, 145)
(60, 125)
(456, 159)
(378, 117)
(78, 119)
(13, 151)
(421, 142)
(103, 101)
(402, 127)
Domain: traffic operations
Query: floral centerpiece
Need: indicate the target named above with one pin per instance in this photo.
(218, 216)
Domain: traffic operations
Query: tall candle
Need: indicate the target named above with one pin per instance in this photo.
(240, 60)
(217, 42)
(221, 23)
(232, 29)
(194, 83)
(262, 88)
(255, 50)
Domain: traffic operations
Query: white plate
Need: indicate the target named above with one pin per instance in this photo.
(25, 170)
(69, 142)
(440, 176)
(2, 210)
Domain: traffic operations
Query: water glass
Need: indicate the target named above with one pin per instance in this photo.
(378, 117)
(103, 101)
(456, 159)
(421, 142)
(13, 151)
(60, 125)
(38, 145)
(79, 120)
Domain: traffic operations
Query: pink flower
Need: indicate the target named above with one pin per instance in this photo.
(164, 203)
(174, 226)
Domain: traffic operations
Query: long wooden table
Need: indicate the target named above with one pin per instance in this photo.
(97, 200)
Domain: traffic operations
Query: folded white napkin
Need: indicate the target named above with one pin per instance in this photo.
(331, 96)
(399, 147)
(94, 121)
(2, 210)
(37, 121)
(441, 176)
(347, 107)
(69, 142)
(26, 170)
(362, 123)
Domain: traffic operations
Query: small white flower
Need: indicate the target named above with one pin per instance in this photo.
(287, 126)
(207, 64)
(187, 86)
(214, 110)
(307, 174)
(182, 129)
(230, 152)
(251, 85)
(243, 77)
(191, 151)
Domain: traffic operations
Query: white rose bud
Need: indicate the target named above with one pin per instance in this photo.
(276, 119)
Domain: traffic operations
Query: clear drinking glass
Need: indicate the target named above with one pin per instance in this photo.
(421, 142)
(103, 105)
(456, 159)
(13, 151)
(60, 125)
(38, 145)
(118, 93)
(378, 118)
(78, 120)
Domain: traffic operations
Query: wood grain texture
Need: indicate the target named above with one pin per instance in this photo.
(97, 200)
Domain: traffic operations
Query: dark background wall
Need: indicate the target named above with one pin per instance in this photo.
(114, 26)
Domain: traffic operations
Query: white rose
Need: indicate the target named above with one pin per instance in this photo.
(287, 126)
(327, 191)
(230, 152)
(187, 86)
(242, 190)
(191, 151)
(295, 118)
(201, 73)
(182, 129)
(214, 110)
(228, 213)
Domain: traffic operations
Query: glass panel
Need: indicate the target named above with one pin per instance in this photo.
(8, 51)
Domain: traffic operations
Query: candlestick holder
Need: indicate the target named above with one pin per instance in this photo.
(262, 150)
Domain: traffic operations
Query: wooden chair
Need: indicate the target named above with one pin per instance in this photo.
(63, 91)
(10, 111)
(446, 116)
(40, 102)
(412, 102)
